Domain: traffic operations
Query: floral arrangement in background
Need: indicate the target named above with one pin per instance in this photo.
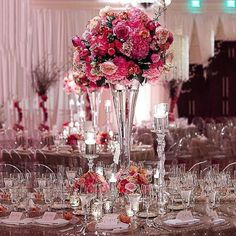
(131, 182)
(17, 126)
(118, 47)
(89, 180)
(2, 116)
(43, 76)
(69, 84)
(103, 138)
(73, 139)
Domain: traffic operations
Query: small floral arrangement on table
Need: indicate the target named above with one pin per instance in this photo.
(73, 139)
(118, 47)
(69, 84)
(103, 138)
(17, 126)
(130, 183)
(89, 180)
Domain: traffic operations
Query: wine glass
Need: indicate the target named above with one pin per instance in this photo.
(147, 195)
(71, 174)
(86, 195)
(185, 195)
(134, 203)
(48, 197)
(15, 197)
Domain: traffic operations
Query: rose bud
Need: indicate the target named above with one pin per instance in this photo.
(76, 41)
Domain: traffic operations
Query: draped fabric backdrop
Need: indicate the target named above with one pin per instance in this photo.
(31, 31)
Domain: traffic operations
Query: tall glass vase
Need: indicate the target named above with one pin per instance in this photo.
(80, 104)
(95, 100)
(124, 99)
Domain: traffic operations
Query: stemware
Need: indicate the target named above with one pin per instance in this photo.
(185, 195)
(86, 195)
(134, 203)
(147, 196)
(48, 197)
(15, 197)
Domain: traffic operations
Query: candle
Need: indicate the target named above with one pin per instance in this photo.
(129, 211)
(90, 143)
(71, 103)
(161, 117)
(99, 170)
(112, 178)
(107, 106)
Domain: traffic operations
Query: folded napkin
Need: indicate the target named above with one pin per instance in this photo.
(111, 222)
(51, 222)
(108, 226)
(181, 222)
(218, 221)
(17, 222)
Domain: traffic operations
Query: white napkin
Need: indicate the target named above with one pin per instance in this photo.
(183, 218)
(111, 222)
(218, 221)
(52, 222)
(181, 222)
(108, 226)
(17, 222)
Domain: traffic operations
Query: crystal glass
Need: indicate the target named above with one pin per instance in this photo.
(185, 195)
(15, 197)
(124, 99)
(48, 197)
(95, 100)
(147, 197)
(134, 203)
(86, 195)
(71, 174)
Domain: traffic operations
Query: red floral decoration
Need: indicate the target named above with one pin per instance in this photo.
(89, 180)
(17, 126)
(103, 138)
(72, 139)
(128, 184)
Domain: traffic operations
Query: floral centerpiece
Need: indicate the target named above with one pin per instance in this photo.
(133, 181)
(73, 139)
(122, 49)
(103, 139)
(118, 47)
(17, 126)
(89, 180)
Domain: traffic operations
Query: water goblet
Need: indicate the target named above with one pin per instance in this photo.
(48, 197)
(134, 203)
(147, 195)
(185, 195)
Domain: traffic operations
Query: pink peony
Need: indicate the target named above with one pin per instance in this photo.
(108, 68)
(140, 48)
(155, 57)
(162, 35)
(94, 24)
(122, 30)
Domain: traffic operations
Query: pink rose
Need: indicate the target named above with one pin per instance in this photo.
(140, 48)
(162, 35)
(155, 57)
(121, 30)
(108, 68)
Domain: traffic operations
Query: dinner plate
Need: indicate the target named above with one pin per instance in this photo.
(55, 223)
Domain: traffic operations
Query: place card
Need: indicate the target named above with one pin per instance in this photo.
(184, 215)
(49, 216)
(15, 216)
(116, 154)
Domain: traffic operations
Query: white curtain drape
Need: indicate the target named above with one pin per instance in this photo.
(30, 33)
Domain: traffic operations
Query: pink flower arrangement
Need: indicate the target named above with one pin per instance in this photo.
(72, 139)
(69, 84)
(89, 180)
(129, 183)
(103, 138)
(118, 47)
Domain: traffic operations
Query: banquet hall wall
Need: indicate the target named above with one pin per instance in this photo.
(32, 30)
